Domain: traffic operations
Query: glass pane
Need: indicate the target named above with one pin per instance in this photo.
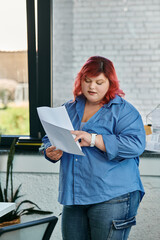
(14, 105)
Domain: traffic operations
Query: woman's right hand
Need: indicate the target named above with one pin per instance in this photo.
(53, 153)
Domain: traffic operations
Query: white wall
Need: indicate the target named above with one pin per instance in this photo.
(125, 31)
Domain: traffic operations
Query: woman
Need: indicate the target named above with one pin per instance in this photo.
(100, 191)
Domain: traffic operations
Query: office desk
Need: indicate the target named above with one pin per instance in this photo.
(6, 207)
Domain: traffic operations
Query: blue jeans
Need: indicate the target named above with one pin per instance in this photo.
(110, 220)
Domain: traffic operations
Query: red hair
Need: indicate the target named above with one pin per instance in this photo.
(92, 68)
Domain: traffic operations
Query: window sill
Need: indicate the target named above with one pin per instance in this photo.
(23, 143)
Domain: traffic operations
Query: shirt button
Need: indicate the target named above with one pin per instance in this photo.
(76, 159)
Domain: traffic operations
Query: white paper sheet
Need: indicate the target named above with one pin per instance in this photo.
(153, 142)
(57, 126)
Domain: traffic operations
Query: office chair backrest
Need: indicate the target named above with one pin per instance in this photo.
(40, 229)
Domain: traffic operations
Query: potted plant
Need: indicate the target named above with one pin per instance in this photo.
(8, 194)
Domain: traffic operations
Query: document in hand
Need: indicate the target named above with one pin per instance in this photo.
(57, 126)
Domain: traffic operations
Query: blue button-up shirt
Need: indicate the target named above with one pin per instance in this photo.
(99, 176)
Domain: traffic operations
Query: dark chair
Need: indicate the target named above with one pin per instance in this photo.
(40, 229)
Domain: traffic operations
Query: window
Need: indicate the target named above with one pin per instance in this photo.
(14, 107)
(37, 77)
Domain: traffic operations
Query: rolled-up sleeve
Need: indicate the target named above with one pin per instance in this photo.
(46, 142)
(129, 138)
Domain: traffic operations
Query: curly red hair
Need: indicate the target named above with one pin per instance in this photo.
(92, 68)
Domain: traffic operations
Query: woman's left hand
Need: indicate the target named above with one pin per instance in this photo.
(85, 138)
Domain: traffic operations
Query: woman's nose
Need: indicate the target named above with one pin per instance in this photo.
(92, 85)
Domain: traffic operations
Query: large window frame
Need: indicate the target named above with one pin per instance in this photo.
(39, 68)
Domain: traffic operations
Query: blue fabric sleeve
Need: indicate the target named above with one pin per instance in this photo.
(46, 142)
(129, 140)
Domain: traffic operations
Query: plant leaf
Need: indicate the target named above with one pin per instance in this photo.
(10, 168)
(5, 195)
(30, 211)
(1, 194)
(27, 201)
(24, 211)
(16, 194)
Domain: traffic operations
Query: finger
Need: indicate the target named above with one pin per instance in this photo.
(50, 149)
(54, 157)
(73, 132)
(80, 136)
(76, 132)
(57, 156)
(58, 151)
(50, 152)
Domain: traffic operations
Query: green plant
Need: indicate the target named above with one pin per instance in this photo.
(15, 195)
(14, 120)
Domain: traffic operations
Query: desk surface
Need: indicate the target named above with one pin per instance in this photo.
(6, 207)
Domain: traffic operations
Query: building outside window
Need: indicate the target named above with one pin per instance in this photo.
(14, 104)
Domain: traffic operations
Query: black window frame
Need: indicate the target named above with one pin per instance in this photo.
(39, 69)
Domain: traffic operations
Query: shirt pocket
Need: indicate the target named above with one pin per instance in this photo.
(104, 126)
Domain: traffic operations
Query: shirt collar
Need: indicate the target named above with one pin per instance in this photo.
(116, 100)
(80, 97)
(81, 100)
